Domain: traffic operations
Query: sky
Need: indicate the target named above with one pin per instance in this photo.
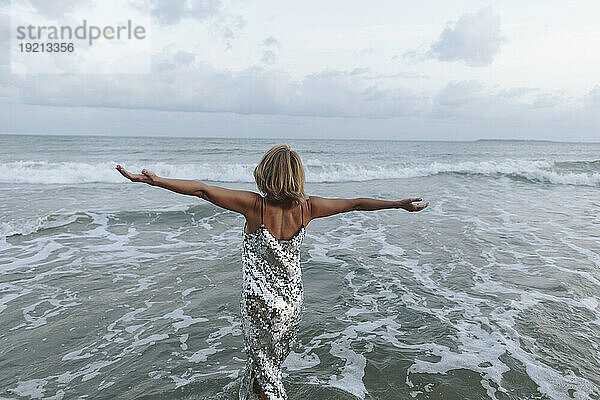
(428, 70)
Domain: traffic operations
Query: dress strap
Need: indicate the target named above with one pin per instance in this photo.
(302, 213)
(261, 209)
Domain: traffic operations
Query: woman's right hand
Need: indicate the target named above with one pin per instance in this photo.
(408, 205)
(145, 177)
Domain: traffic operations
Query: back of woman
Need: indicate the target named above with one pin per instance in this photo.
(271, 306)
(272, 292)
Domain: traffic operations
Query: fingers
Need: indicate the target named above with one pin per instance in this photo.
(415, 199)
(420, 207)
(417, 207)
(124, 172)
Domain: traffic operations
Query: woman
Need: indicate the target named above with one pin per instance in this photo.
(273, 295)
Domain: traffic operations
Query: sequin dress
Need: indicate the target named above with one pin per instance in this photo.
(271, 306)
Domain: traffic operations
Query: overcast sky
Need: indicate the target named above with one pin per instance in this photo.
(456, 70)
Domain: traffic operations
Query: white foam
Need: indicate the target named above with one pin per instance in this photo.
(152, 339)
(202, 354)
(184, 320)
(40, 254)
(477, 346)
(33, 388)
(76, 355)
(298, 361)
(45, 172)
(89, 371)
(26, 227)
(188, 291)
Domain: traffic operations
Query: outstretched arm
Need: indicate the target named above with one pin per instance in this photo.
(324, 207)
(241, 201)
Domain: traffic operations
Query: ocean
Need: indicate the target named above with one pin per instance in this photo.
(117, 290)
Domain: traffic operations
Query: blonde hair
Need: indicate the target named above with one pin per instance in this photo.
(280, 176)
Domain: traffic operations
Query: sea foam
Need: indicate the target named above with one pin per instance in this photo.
(535, 171)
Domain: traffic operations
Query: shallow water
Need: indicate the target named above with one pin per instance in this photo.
(110, 289)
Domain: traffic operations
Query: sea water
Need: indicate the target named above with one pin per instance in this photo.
(117, 290)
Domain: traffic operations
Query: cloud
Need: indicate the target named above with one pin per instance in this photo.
(592, 99)
(271, 45)
(348, 94)
(471, 100)
(345, 103)
(173, 11)
(459, 93)
(228, 26)
(268, 57)
(271, 42)
(474, 39)
(184, 58)
(179, 82)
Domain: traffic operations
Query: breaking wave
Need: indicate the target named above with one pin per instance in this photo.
(581, 173)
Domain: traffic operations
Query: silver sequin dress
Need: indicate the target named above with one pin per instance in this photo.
(271, 306)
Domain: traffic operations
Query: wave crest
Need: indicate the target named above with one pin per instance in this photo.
(43, 172)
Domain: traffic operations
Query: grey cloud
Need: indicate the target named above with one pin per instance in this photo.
(271, 42)
(459, 93)
(171, 12)
(592, 99)
(268, 57)
(474, 39)
(183, 58)
(408, 54)
(533, 98)
(177, 84)
(201, 9)
(228, 26)
(546, 100)
(181, 82)
(221, 21)
(346, 94)
(471, 100)
(254, 100)
(515, 93)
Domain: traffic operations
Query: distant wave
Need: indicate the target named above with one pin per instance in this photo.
(562, 173)
(24, 227)
(27, 227)
(591, 164)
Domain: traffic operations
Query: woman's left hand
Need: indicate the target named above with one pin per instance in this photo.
(408, 204)
(146, 176)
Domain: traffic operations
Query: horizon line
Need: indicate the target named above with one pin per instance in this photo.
(297, 138)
